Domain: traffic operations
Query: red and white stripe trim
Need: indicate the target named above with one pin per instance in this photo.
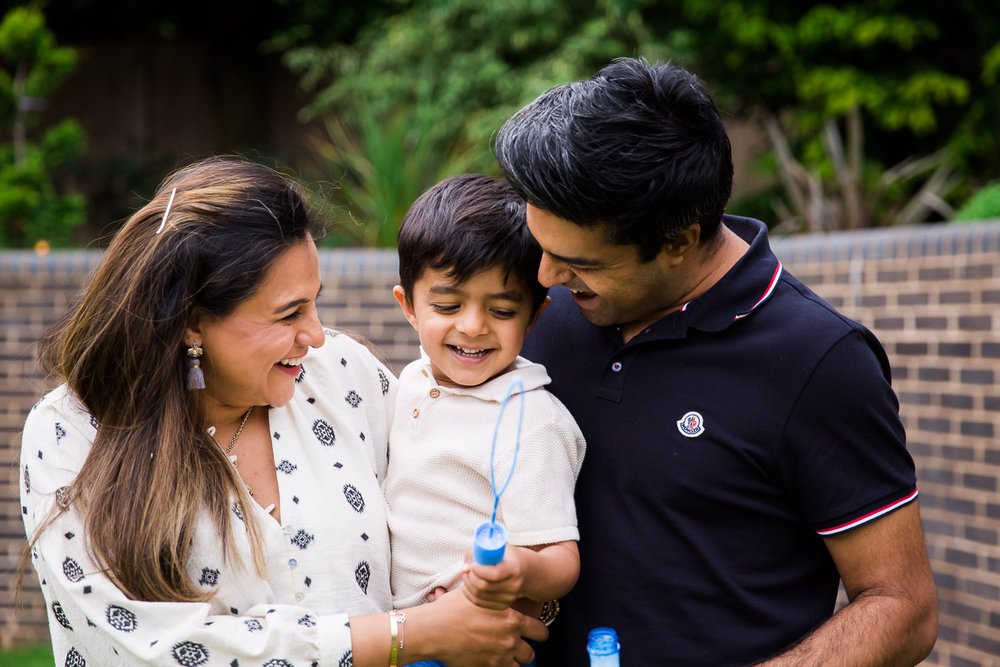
(870, 516)
(767, 292)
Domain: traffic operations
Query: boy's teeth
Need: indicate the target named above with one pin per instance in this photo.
(470, 351)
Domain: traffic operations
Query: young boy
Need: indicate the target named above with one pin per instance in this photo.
(468, 272)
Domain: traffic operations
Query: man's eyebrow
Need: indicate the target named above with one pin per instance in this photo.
(297, 302)
(576, 261)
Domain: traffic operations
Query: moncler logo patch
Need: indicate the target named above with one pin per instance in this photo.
(691, 425)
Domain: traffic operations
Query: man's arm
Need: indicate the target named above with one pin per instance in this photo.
(891, 618)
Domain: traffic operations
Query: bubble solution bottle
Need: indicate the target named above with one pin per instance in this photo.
(603, 647)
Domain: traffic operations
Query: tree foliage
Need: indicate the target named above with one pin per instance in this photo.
(33, 204)
(919, 76)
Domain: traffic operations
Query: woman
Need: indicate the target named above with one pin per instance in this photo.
(203, 488)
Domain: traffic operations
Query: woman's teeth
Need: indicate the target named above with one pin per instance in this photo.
(291, 362)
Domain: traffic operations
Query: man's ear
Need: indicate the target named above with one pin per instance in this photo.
(676, 248)
(405, 305)
(538, 312)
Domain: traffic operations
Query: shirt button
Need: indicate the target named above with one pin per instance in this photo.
(300, 596)
(435, 392)
(616, 367)
(416, 412)
(424, 373)
(292, 562)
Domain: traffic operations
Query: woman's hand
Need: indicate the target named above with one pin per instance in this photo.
(460, 634)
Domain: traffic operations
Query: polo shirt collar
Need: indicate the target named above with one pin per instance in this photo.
(534, 376)
(744, 288)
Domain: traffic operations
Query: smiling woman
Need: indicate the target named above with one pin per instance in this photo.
(203, 488)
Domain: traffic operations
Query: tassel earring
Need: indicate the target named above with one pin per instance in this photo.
(196, 379)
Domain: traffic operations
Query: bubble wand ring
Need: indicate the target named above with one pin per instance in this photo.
(490, 538)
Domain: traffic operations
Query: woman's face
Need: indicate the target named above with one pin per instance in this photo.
(253, 355)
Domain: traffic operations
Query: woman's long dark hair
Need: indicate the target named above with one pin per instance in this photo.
(153, 469)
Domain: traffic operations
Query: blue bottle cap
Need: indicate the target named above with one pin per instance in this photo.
(488, 543)
(602, 641)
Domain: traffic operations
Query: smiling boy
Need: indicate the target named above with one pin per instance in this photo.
(468, 267)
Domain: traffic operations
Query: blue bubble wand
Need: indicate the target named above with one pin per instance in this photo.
(490, 538)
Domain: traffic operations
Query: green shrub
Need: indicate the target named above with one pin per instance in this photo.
(984, 204)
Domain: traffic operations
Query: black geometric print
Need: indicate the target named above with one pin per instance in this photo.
(324, 432)
(27, 480)
(286, 467)
(70, 535)
(331, 333)
(302, 373)
(353, 399)
(308, 581)
(253, 625)
(209, 577)
(60, 432)
(237, 510)
(234, 611)
(307, 621)
(384, 381)
(60, 615)
(74, 659)
(302, 539)
(190, 654)
(343, 362)
(277, 662)
(354, 498)
(121, 619)
(93, 422)
(63, 497)
(362, 573)
(346, 660)
(72, 570)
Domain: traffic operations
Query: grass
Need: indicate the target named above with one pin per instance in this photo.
(39, 656)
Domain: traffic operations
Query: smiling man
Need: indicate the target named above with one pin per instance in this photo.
(745, 452)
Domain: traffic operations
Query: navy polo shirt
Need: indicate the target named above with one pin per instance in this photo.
(723, 442)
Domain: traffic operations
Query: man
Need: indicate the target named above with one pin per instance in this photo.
(745, 452)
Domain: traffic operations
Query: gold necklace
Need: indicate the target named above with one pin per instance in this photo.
(232, 442)
(239, 430)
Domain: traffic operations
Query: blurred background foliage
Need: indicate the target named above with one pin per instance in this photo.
(872, 112)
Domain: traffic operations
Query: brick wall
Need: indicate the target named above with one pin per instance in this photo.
(931, 294)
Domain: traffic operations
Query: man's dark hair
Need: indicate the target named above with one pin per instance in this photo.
(639, 147)
(465, 225)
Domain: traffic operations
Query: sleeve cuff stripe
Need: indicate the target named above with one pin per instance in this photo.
(874, 514)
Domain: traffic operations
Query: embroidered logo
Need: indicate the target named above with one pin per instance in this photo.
(691, 425)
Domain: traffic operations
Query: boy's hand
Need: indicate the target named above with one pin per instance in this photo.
(496, 586)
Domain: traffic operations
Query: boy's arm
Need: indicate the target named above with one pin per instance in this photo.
(544, 572)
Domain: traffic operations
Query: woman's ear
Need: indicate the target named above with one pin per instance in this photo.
(405, 305)
(192, 332)
(542, 306)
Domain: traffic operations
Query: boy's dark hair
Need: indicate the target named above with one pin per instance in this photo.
(638, 147)
(468, 224)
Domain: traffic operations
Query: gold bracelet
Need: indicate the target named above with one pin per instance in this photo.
(393, 639)
(550, 609)
(401, 620)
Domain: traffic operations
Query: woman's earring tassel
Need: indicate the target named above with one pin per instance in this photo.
(196, 379)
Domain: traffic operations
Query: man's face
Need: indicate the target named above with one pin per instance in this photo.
(610, 284)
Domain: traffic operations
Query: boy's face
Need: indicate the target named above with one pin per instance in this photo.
(472, 331)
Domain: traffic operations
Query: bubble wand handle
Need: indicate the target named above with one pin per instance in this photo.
(489, 540)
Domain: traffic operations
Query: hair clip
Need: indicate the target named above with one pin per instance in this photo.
(167, 212)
